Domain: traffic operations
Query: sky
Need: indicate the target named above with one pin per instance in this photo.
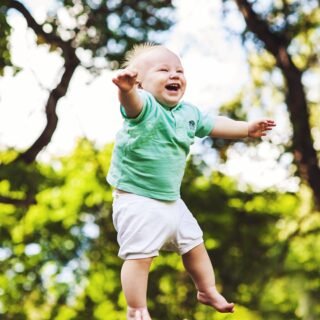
(215, 67)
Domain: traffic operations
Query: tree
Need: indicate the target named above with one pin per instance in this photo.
(281, 40)
(105, 29)
(42, 223)
(59, 255)
(58, 250)
(289, 31)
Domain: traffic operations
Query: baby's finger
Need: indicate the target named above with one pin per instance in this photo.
(129, 73)
(270, 123)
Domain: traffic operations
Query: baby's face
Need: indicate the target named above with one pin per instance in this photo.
(161, 74)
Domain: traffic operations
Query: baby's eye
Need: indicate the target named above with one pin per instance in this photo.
(179, 71)
(164, 69)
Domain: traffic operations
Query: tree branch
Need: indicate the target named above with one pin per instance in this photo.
(71, 63)
(17, 202)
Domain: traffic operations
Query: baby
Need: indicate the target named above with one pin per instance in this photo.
(146, 171)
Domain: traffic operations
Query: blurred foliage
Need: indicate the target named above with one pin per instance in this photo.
(59, 256)
(101, 31)
(297, 25)
(295, 21)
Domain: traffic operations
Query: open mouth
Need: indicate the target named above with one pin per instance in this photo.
(173, 87)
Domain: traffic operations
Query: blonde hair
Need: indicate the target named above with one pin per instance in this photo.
(136, 51)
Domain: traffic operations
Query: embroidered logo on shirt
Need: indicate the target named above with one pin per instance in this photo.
(192, 125)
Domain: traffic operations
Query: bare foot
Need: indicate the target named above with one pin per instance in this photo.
(138, 314)
(213, 298)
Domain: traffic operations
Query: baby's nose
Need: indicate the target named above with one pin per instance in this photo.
(174, 75)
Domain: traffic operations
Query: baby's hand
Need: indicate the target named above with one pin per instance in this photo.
(258, 128)
(125, 79)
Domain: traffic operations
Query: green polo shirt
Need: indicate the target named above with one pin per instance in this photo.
(150, 151)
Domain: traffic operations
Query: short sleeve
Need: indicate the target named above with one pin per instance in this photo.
(146, 108)
(205, 124)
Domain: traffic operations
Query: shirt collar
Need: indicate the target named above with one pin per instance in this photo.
(177, 106)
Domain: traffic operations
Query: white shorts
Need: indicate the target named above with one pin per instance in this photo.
(146, 225)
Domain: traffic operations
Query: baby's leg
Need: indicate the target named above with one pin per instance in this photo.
(198, 264)
(134, 280)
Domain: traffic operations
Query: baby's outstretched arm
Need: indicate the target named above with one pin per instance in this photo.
(126, 81)
(231, 129)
